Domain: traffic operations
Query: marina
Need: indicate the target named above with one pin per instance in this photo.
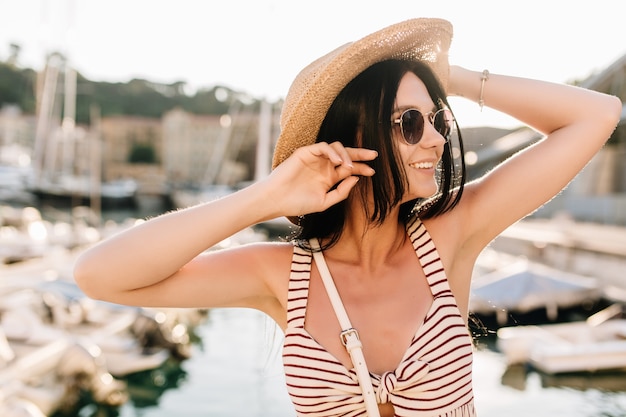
(547, 300)
(238, 372)
(595, 344)
(57, 347)
(230, 362)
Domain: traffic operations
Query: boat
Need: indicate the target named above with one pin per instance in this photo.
(524, 286)
(26, 235)
(23, 234)
(15, 170)
(44, 374)
(66, 163)
(595, 344)
(54, 341)
(210, 188)
(79, 190)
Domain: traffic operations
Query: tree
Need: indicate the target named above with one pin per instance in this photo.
(15, 54)
(142, 154)
(17, 87)
(137, 97)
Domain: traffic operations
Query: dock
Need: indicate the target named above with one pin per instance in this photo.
(590, 249)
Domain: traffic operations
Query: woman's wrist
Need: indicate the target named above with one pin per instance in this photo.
(265, 200)
(469, 84)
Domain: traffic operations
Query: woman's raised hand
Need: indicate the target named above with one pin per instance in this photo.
(318, 176)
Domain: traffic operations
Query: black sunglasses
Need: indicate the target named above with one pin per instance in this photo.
(411, 123)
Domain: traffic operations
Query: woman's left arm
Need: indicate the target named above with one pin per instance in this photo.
(576, 121)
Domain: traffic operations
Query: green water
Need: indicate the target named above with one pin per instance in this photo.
(237, 372)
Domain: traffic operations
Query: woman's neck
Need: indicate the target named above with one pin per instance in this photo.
(369, 245)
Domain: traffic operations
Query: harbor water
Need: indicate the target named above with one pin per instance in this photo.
(238, 373)
(235, 370)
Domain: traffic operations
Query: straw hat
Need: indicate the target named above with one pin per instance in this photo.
(317, 85)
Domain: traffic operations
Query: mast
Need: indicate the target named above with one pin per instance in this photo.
(219, 152)
(68, 125)
(45, 108)
(262, 164)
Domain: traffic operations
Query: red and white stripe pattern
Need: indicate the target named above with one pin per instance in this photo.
(434, 377)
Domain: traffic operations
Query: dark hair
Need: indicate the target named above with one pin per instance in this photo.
(354, 119)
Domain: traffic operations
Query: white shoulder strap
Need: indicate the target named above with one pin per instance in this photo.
(349, 335)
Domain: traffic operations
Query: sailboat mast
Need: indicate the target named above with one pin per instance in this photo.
(69, 120)
(45, 107)
(221, 148)
(262, 164)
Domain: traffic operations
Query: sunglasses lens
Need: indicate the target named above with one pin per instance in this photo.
(412, 123)
(443, 122)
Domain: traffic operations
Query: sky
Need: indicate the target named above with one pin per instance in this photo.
(259, 46)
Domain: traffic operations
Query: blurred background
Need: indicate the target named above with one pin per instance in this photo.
(115, 111)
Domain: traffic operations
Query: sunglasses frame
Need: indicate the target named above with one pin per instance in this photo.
(431, 119)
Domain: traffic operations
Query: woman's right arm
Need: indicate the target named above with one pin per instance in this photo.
(163, 261)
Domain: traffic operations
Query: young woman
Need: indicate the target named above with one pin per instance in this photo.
(365, 165)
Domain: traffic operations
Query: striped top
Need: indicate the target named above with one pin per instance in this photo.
(434, 377)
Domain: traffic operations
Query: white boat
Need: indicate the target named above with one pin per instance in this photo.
(525, 286)
(79, 190)
(13, 180)
(15, 170)
(595, 344)
(66, 162)
(26, 235)
(41, 364)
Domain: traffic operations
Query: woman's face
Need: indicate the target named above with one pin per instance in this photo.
(419, 160)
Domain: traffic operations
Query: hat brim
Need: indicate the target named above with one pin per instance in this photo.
(317, 85)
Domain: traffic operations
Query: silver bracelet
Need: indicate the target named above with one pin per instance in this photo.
(483, 78)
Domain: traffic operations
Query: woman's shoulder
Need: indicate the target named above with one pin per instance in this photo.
(450, 231)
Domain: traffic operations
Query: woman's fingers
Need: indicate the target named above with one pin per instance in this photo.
(334, 162)
(342, 190)
(318, 176)
(350, 155)
(339, 155)
(354, 158)
(361, 154)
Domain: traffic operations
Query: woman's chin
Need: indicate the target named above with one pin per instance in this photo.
(426, 191)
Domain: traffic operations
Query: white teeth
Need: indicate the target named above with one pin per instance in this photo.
(423, 165)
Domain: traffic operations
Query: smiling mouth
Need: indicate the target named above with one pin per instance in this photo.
(422, 165)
